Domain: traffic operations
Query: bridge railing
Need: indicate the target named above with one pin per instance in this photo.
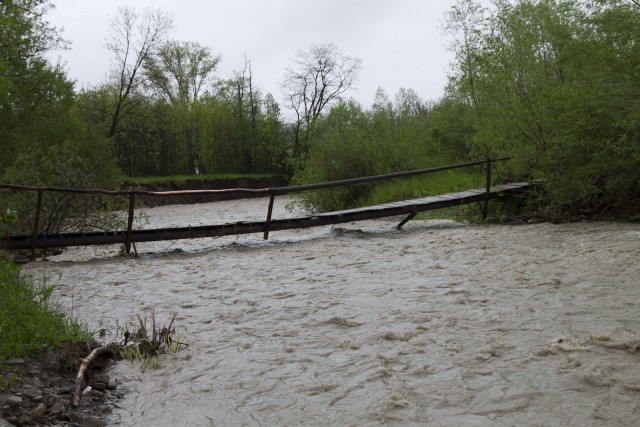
(272, 192)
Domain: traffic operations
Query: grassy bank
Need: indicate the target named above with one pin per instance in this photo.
(29, 322)
(426, 185)
(430, 185)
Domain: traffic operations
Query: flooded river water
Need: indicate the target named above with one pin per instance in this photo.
(438, 324)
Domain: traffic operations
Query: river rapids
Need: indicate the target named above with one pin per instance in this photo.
(438, 324)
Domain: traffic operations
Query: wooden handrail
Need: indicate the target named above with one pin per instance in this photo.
(272, 192)
(265, 191)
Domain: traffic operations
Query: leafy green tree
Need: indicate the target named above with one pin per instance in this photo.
(554, 84)
(30, 88)
(178, 71)
(177, 74)
(351, 142)
(272, 138)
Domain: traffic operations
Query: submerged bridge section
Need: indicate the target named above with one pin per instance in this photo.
(128, 237)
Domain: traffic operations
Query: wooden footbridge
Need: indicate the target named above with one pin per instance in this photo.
(128, 237)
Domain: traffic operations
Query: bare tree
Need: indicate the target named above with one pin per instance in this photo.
(135, 37)
(178, 71)
(317, 78)
(247, 105)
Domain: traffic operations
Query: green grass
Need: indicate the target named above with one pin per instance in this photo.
(429, 185)
(180, 179)
(426, 185)
(29, 322)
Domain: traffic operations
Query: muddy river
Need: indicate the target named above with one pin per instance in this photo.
(438, 324)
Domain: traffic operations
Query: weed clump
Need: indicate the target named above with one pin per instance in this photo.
(148, 343)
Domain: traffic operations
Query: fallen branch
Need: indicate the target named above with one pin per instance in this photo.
(82, 372)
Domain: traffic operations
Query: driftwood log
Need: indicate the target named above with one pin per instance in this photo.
(82, 372)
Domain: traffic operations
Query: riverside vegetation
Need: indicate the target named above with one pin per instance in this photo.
(554, 85)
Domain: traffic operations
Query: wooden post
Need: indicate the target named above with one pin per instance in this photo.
(485, 210)
(269, 212)
(36, 225)
(407, 219)
(127, 243)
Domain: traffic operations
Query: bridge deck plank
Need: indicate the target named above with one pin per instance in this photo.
(246, 227)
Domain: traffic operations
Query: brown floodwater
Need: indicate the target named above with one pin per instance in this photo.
(438, 324)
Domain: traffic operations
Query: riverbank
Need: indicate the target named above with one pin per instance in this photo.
(37, 391)
(41, 349)
(201, 184)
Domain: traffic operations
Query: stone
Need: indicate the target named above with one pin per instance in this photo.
(100, 378)
(55, 381)
(24, 419)
(36, 382)
(35, 371)
(86, 420)
(50, 398)
(56, 408)
(65, 389)
(14, 362)
(112, 384)
(13, 401)
(32, 392)
(97, 393)
(39, 410)
(9, 422)
(99, 385)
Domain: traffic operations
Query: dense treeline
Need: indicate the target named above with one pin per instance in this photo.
(236, 130)
(556, 85)
(553, 84)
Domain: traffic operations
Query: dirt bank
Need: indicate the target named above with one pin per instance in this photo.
(202, 184)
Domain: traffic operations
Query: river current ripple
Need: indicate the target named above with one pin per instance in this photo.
(438, 324)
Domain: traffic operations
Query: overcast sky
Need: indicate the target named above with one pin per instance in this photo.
(400, 42)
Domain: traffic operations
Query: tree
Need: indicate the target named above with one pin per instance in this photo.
(178, 71)
(270, 147)
(30, 87)
(316, 79)
(136, 36)
(555, 86)
(465, 23)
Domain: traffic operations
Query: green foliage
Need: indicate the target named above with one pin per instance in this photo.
(45, 138)
(215, 134)
(555, 85)
(80, 163)
(29, 322)
(148, 343)
(426, 185)
(31, 90)
(351, 142)
(178, 71)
